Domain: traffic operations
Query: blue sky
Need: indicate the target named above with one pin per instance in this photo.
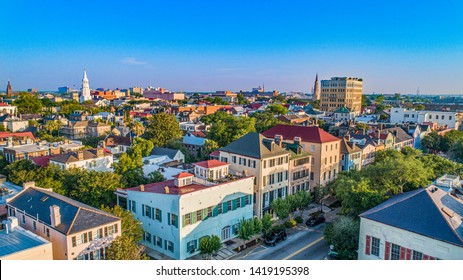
(395, 46)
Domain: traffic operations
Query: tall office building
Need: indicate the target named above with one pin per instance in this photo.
(341, 91)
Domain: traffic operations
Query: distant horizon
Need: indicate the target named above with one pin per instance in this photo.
(205, 46)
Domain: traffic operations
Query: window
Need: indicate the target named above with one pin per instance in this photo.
(238, 203)
(395, 252)
(48, 232)
(219, 208)
(375, 246)
(271, 163)
(265, 164)
(169, 246)
(24, 219)
(254, 164)
(147, 237)
(247, 201)
(199, 215)
(191, 246)
(450, 118)
(229, 205)
(158, 215)
(133, 206)
(173, 220)
(312, 148)
(209, 211)
(148, 211)
(187, 219)
(417, 255)
(34, 225)
(158, 241)
(234, 159)
(74, 242)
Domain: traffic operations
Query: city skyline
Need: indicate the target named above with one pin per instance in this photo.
(208, 46)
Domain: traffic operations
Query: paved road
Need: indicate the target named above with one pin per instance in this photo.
(303, 244)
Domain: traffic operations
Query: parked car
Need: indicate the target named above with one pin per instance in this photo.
(275, 236)
(315, 220)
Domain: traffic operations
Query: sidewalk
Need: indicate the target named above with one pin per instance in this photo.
(229, 247)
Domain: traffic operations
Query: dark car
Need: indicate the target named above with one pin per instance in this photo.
(275, 236)
(313, 221)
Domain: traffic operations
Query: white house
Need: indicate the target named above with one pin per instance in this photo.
(177, 213)
(424, 224)
(402, 115)
(91, 159)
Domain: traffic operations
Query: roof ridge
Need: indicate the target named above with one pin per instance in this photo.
(446, 220)
(73, 221)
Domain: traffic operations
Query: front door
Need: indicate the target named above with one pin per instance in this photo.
(225, 233)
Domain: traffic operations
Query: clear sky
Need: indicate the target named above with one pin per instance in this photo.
(395, 46)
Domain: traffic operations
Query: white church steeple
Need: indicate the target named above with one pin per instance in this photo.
(85, 90)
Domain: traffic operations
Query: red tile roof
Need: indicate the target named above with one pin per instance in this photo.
(215, 153)
(17, 134)
(42, 161)
(212, 163)
(312, 134)
(183, 175)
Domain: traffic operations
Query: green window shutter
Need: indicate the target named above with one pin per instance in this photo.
(183, 220)
(168, 219)
(205, 214)
(234, 204)
(215, 211)
(194, 219)
(143, 210)
(243, 201)
(225, 207)
(160, 216)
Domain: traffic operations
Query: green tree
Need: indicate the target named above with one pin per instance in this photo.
(125, 247)
(209, 245)
(130, 168)
(432, 142)
(28, 103)
(280, 207)
(241, 100)
(449, 139)
(316, 104)
(155, 176)
(277, 109)
(162, 128)
(343, 234)
(266, 223)
(227, 128)
(258, 226)
(91, 141)
(456, 152)
(95, 188)
(209, 147)
(264, 121)
(380, 99)
(2, 128)
(245, 230)
(21, 171)
(419, 107)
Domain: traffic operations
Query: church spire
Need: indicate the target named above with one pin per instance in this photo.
(316, 89)
(85, 90)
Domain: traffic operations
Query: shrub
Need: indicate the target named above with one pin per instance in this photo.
(290, 223)
(299, 219)
(279, 227)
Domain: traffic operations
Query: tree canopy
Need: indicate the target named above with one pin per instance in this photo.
(28, 103)
(162, 128)
(226, 128)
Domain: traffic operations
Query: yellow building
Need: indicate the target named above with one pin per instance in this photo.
(341, 91)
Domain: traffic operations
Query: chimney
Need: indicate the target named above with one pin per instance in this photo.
(297, 140)
(99, 152)
(80, 155)
(166, 189)
(278, 139)
(55, 216)
(142, 188)
(27, 185)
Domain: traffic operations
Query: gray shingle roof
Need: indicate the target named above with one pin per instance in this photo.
(164, 151)
(75, 216)
(419, 211)
(254, 145)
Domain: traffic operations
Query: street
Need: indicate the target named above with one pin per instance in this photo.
(303, 244)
